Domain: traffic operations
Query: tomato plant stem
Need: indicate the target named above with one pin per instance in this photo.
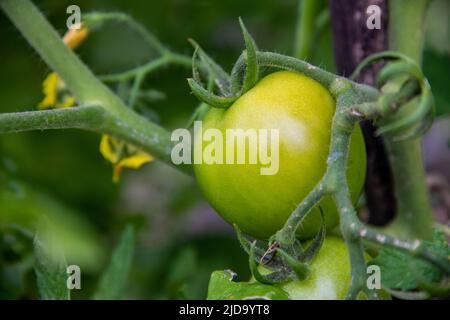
(336, 178)
(83, 117)
(304, 32)
(414, 214)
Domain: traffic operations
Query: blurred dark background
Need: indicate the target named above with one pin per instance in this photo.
(63, 175)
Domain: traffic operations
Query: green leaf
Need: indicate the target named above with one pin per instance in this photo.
(222, 287)
(314, 246)
(401, 271)
(182, 268)
(435, 67)
(25, 204)
(50, 267)
(113, 280)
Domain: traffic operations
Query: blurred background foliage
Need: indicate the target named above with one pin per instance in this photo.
(62, 175)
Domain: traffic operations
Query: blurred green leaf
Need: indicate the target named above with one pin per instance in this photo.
(26, 205)
(435, 68)
(183, 267)
(438, 26)
(113, 280)
(50, 266)
(222, 287)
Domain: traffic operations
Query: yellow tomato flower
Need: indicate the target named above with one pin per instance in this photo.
(56, 95)
(55, 91)
(122, 155)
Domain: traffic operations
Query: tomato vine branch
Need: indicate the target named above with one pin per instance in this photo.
(82, 117)
(414, 213)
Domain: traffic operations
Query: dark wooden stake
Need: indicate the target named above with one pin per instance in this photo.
(353, 41)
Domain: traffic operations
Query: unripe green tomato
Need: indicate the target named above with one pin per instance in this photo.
(329, 278)
(302, 111)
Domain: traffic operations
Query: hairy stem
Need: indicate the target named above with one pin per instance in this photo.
(286, 236)
(83, 117)
(414, 214)
(91, 118)
(336, 177)
(416, 248)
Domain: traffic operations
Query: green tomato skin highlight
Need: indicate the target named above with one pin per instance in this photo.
(302, 110)
(330, 275)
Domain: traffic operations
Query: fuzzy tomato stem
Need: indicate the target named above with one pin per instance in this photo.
(414, 213)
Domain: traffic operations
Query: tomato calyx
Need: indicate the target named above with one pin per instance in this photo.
(230, 88)
(245, 72)
(286, 261)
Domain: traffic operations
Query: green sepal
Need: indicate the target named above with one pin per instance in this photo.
(251, 74)
(195, 71)
(310, 252)
(300, 269)
(277, 275)
(236, 75)
(209, 98)
(252, 261)
(266, 256)
(221, 78)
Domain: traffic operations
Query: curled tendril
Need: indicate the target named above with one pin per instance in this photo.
(379, 56)
(400, 67)
(398, 82)
(420, 120)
